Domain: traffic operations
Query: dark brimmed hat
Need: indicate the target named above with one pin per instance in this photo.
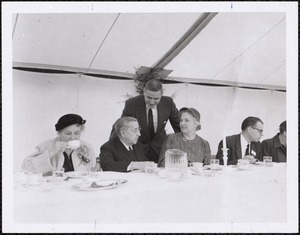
(68, 120)
(192, 112)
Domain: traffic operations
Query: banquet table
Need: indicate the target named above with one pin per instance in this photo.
(257, 195)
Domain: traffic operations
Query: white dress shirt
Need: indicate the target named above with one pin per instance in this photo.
(244, 144)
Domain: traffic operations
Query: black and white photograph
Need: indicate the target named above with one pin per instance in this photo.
(150, 117)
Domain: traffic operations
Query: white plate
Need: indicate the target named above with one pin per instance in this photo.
(258, 163)
(76, 174)
(208, 173)
(196, 173)
(99, 185)
(207, 167)
(244, 169)
(193, 172)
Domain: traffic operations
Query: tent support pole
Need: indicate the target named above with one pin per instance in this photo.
(196, 28)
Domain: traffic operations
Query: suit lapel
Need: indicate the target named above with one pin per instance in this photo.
(238, 147)
(122, 150)
(160, 111)
(143, 116)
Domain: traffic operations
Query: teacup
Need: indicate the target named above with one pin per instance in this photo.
(73, 144)
(250, 158)
(197, 166)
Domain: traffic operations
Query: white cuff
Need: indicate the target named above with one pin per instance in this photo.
(129, 166)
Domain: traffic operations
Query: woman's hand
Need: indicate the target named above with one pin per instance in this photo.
(60, 146)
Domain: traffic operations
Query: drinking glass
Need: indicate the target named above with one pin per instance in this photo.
(214, 164)
(268, 161)
(243, 164)
(93, 172)
(58, 173)
(20, 180)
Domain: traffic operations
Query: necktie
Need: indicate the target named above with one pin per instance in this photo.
(150, 124)
(247, 150)
(131, 153)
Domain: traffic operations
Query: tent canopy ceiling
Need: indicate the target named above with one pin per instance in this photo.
(231, 48)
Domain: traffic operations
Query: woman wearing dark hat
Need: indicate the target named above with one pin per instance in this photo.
(65, 151)
(197, 149)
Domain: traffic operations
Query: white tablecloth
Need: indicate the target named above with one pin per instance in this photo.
(231, 196)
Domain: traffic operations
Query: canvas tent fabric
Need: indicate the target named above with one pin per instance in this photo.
(246, 48)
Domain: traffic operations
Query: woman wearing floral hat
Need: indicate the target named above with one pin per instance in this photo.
(197, 148)
(59, 152)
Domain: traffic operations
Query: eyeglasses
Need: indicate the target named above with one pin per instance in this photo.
(136, 130)
(260, 131)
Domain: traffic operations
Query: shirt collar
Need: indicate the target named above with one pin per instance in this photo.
(148, 107)
(244, 142)
(126, 146)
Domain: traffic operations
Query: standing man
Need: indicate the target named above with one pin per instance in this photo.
(152, 110)
(244, 144)
(276, 146)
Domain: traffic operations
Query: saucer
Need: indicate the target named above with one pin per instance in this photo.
(76, 174)
(56, 179)
(99, 185)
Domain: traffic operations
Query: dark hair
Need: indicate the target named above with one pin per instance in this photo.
(282, 127)
(121, 123)
(250, 121)
(68, 120)
(154, 85)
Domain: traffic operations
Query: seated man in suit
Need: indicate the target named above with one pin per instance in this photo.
(244, 144)
(124, 152)
(276, 146)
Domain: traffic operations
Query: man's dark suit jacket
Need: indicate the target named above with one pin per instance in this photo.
(233, 143)
(114, 156)
(166, 110)
(273, 147)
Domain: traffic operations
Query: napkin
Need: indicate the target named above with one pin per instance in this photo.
(37, 162)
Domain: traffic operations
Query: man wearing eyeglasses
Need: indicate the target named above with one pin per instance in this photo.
(244, 145)
(124, 152)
